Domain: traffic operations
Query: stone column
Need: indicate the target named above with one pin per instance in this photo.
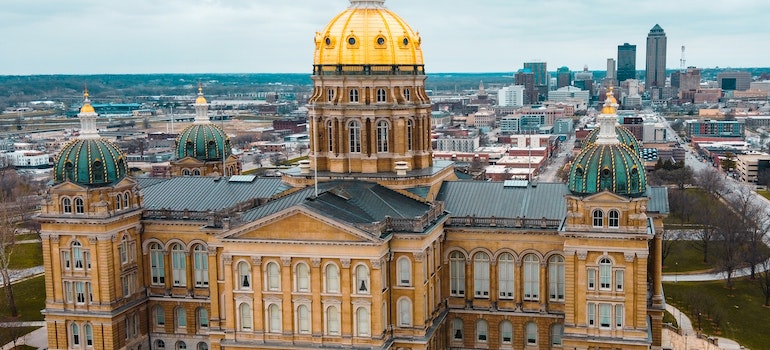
(286, 288)
(347, 288)
(316, 288)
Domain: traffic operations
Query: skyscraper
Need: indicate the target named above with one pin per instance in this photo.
(526, 78)
(542, 78)
(655, 75)
(611, 69)
(626, 62)
(563, 77)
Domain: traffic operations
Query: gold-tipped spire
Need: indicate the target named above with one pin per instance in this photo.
(200, 99)
(610, 103)
(86, 108)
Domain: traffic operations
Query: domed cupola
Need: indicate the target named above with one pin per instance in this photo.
(203, 140)
(367, 34)
(624, 135)
(89, 160)
(607, 163)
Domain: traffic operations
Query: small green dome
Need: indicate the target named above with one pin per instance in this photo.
(625, 137)
(203, 142)
(90, 162)
(613, 167)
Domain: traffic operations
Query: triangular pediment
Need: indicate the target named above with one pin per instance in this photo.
(606, 196)
(190, 161)
(68, 186)
(126, 181)
(300, 224)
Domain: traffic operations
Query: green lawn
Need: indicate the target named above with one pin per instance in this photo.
(740, 311)
(30, 299)
(26, 255)
(764, 193)
(27, 236)
(684, 256)
(6, 336)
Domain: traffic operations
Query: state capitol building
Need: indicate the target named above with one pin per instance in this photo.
(387, 251)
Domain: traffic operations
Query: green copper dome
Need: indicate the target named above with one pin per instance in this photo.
(203, 142)
(90, 162)
(613, 167)
(625, 137)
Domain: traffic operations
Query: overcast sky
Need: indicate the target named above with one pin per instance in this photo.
(276, 36)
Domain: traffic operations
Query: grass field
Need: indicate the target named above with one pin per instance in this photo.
(736, 314)
(26, 255)
(30, 299)
(6, 336)
(684, 256)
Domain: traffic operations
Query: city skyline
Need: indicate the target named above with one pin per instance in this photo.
(238, 36)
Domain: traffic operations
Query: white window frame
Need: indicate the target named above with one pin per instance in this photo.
(482, 331)
(362, 280)
(404, 271)
(597, 218)
(506, 332)
(201, 265)
(405, 312)
(556, 281)
(531, 269)
(506, 276)
(481, 275)
(302, 278)
(273, 277)
(457, 273)
(332, 278)
(178, 265)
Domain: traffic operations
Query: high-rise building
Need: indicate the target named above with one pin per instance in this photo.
(369, 244)
(585, 80)
(511, 96)
(541, 76)
(563, 77)
(626, 62)
(655, 72)
(526, 78)
(610, 69)
(734, 80)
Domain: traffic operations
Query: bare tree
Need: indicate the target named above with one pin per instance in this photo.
(707, 214)
(763, 281)
(710, 181)
(12, 329)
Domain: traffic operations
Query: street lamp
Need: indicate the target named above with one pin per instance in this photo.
(676, 272)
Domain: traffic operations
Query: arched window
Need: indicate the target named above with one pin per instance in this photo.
(382, 136)
(180, 317)
(302, 274)
(332, 278)
(211, 149)
(598, 216)
(98, 171)
(123, 250)
(88, 332)
(457, 274)
(362, 280)
(556, 278)
(201, 265)
(531, 277)
(178, 265)
(506, 332)
(409, 134)
(119, 201)
(203, 318)
(196, 172)
(203, 346)
(407, 94)
(157, 269)
(126, 200)
(531, 333)
(77, 255)
(362, 322)
(404, 271)
(613, 219)
(482, 330)
(382, 96)
(75, 334)
(354, 137)
(66, 205)
(505, 276)
(186, 172)
(244, 275)
(180, 345)
(481, 275)
(605, 274)
(330, 95)
(303, 319)
(332, 320)
(274, 318)
(330, 135)
(246, 321)
(557, 331)
(353, 96)
(457, 329)
(160, 316)
(404, 312)
(79, 207)
(273, 281)
(160, 345)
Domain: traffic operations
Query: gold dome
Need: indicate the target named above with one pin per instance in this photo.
(87, 108)
(610, 103)
(200, 100)
(367, 33)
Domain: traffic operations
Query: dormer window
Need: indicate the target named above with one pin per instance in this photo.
(598, 218)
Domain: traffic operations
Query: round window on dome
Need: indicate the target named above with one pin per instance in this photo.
(380, 41)
(351, 41)
(579, 172)
(606, 172)
(328, 41)
(405, 42)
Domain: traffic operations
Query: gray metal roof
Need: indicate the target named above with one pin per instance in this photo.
(201, 193)
(658, 202)
(487, 199)
(356, 202)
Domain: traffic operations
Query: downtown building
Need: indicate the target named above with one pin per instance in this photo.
(386, 251)
(655, 71)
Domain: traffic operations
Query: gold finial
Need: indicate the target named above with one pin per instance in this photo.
(609, 102)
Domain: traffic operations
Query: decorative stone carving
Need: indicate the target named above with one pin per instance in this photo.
(629, 257)
(256, 260)
(376, 263)
(315, 262)
(286, 261)
(212, 251)
(227, 258)
(582, 254)
(345, 262)
(419, 256)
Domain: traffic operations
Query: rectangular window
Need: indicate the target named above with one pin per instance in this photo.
(605, 277)
(80, 292)
(604, 315)
(87, 258)
(591, 313)
(68, 291)
(591, 279)
(157, 269)
(619, 316)
(619, 280)
(65, 260)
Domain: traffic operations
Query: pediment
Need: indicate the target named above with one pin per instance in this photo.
(606, 196)
(188, 161)
(126, 181)
(300, 224)
(68, 186)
